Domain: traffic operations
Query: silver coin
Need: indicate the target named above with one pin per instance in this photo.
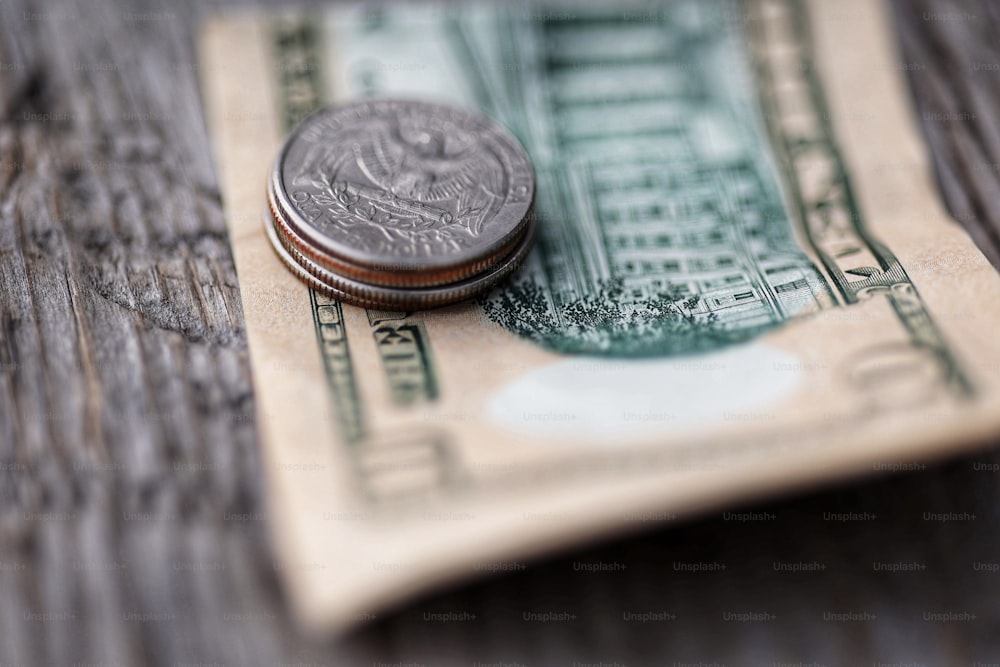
(398, 298)
(403, 186)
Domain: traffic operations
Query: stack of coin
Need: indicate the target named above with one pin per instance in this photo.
(401, 205)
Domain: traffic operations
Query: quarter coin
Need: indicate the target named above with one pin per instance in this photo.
(403, 188)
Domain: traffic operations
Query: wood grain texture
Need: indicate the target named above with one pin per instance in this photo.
(132, 517)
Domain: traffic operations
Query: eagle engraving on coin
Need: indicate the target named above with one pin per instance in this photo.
(387, 180)
(417, 165)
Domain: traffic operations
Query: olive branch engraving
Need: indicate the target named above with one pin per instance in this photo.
(351, 210)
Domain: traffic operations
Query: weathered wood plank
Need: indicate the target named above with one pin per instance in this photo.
(131, 506)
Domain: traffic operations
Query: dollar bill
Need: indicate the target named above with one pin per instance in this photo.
(744, 283)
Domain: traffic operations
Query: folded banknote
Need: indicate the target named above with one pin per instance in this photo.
(743, 283)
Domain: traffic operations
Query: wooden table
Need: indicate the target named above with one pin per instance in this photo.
(129, 461)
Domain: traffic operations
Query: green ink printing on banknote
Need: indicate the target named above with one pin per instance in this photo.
(828, 215)
(406, 357)
(298, 79)
(662, 225)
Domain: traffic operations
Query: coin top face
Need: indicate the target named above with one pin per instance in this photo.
(403, 185)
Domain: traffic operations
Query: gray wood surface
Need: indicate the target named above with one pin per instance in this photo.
(132, 517)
